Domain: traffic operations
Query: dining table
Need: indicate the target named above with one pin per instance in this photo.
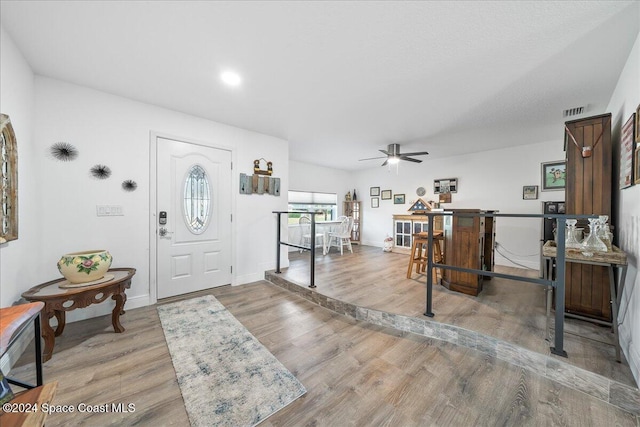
(327, 227)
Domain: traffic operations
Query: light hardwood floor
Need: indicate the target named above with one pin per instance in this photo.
(509, 310)
(355, 373)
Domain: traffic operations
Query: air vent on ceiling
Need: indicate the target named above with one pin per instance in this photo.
(573, 112)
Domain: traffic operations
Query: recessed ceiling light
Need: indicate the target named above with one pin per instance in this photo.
(231, 78)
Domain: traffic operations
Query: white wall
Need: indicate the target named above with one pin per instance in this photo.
(255, 224)
(115, 131)
(487, 180)
(623, 104)
(313, 178)
(307, 177)
(19, 258)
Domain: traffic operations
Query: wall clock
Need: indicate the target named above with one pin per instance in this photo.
(420, 191)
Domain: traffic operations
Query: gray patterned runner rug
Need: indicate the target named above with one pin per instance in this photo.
(226, 376)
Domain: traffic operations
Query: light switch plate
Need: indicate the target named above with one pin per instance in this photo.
(109, 210)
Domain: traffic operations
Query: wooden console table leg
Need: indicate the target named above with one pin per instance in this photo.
(48, 335)
(61, 317)
(120, 300)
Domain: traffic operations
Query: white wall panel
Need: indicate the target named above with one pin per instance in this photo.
(115, 131)
(19, 258)
(623, 104)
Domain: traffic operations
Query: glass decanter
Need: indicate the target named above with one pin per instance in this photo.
(604, 232)
(571, 240)
(592, 243)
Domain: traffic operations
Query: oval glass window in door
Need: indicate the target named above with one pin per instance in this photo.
(197, 199)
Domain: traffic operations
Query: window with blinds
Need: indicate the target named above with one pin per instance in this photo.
(325, 205)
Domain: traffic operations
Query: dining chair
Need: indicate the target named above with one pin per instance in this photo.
(342, 236)
(305, 233)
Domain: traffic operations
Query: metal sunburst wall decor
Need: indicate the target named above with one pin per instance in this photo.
(129, 185)
(63, 151)
(101, 172)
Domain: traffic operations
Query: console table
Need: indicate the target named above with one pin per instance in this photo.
(57, 301)
(613, 259)
(14, 321)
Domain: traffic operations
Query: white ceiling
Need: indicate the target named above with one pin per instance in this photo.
(341, 80)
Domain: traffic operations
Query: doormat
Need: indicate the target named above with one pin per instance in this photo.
(226, 376)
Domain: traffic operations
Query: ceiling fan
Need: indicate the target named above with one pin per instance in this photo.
(394, 155)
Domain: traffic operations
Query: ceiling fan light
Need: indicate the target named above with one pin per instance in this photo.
(393, 155)
(231, 78)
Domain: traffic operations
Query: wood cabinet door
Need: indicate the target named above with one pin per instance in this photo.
(464, 237)
(589, 179)
(588, 191)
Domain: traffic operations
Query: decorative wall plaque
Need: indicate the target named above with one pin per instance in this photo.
(8, 181)
(449, 185)
(258, 171)
(259, 184)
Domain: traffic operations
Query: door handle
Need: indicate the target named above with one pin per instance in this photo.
(163, 232)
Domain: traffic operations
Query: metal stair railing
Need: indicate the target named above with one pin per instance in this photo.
(558, 283)
(311, 249)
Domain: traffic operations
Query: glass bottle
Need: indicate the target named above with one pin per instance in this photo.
(604, 232)
(571, 241)
(592, 243)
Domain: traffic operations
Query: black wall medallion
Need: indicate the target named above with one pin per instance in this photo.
(129, 185)
(101, 171)
(63, 151)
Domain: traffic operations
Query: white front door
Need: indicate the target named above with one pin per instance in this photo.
(193, 217)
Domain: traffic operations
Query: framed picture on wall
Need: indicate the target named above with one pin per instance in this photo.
(374, 191)
(375, 202)
(398, 199)
(386, 195)
(449, 185)
(530, 192)
(553, 175)
(637, 163)
(626, 153)
(638, 126)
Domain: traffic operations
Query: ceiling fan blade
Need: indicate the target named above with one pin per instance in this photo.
(372, 158)
(419, 153)
(409, 159)
(393, 152)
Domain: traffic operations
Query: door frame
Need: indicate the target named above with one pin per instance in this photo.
(153, 199)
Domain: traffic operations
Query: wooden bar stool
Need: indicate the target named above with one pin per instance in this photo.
(419, 259)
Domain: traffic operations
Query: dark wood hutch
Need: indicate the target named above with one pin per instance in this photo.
(469, 243)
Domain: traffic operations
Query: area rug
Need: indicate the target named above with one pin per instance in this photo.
(226, 376)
